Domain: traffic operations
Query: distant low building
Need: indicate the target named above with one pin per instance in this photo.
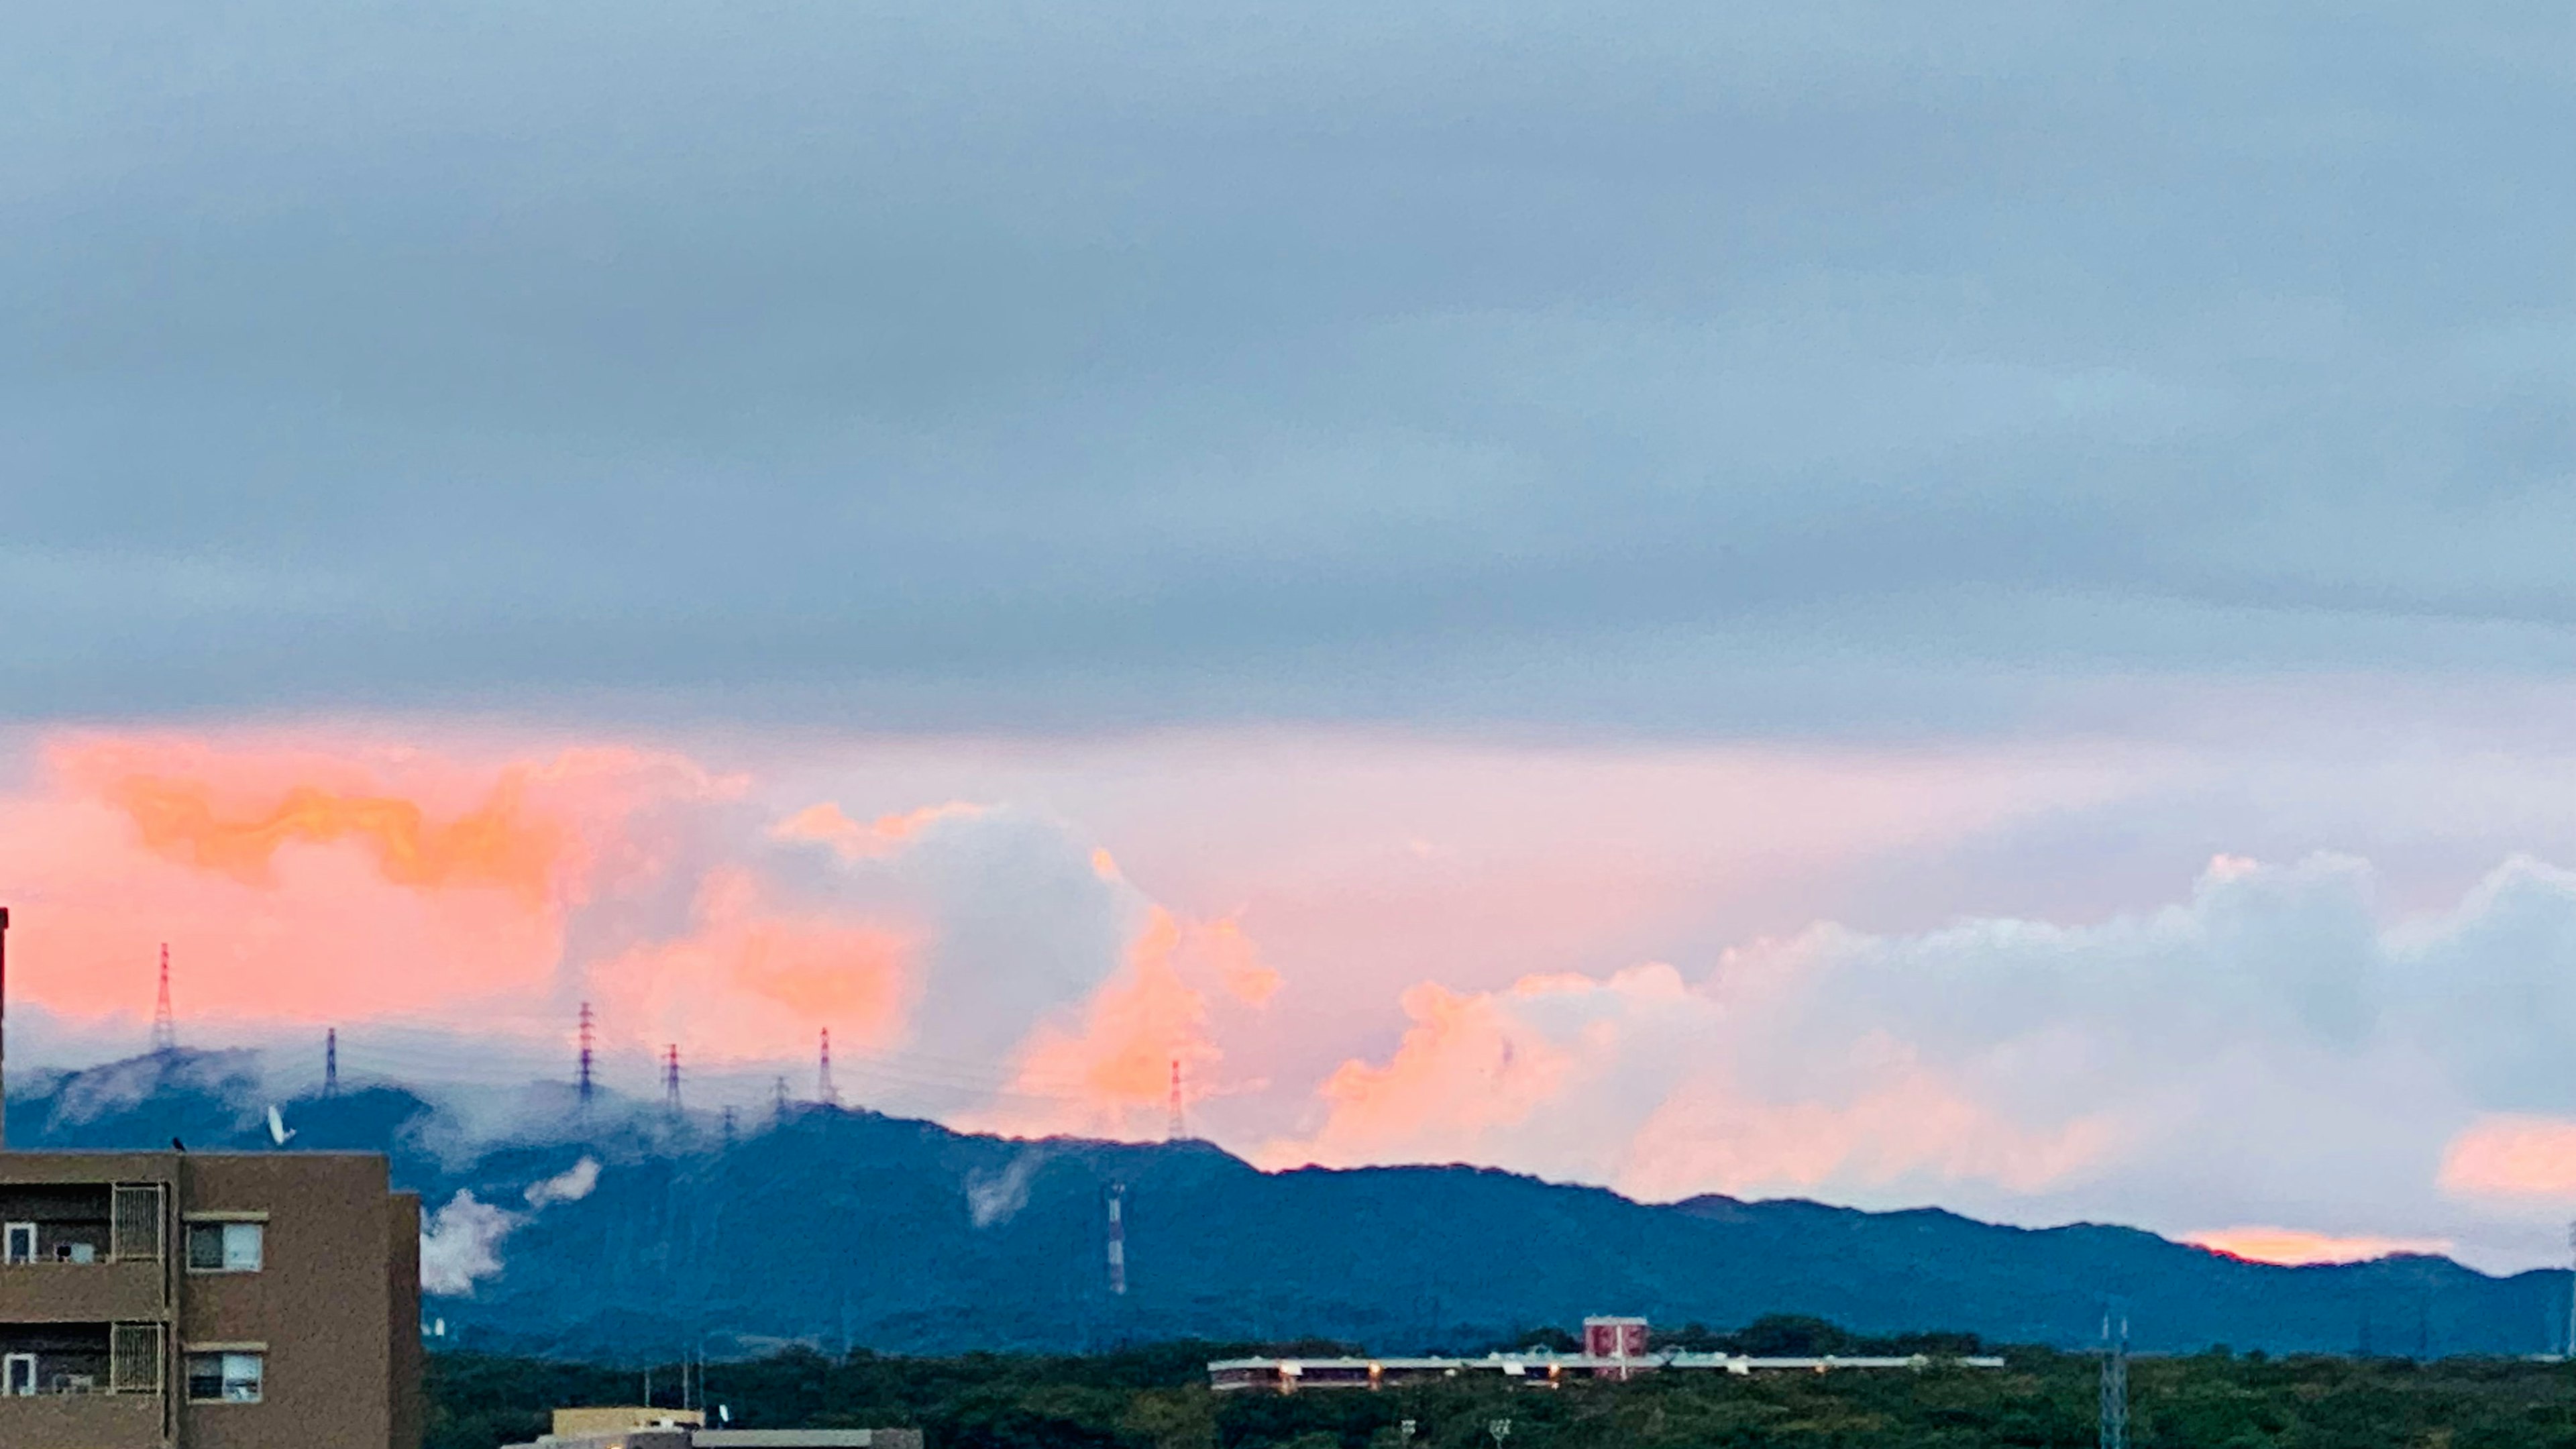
(637, 1428)
(1614, 1348)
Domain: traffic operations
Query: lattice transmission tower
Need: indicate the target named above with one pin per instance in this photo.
(165, 1023)
(2115, 1377)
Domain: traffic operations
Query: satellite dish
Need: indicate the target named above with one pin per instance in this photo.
(277, 1127)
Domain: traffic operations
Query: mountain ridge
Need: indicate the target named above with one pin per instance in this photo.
(849, 1229)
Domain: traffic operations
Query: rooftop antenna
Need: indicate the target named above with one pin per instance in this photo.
(585, 1054)
(1176, 1129)
(331, 1062)
(828, 1094)
(671, 1078)
(1117, 1200)
(2115, 1376)
(165, 1025)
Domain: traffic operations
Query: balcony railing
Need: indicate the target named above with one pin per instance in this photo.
(130, 1230)
(107, 1359)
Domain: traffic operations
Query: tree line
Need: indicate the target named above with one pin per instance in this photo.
(1156, 1397)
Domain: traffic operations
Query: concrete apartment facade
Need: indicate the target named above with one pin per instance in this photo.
(176, 1300)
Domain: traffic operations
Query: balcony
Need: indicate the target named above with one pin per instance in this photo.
(81, 1253)
(81, 1385)
(81, 1293)
(82, 1421)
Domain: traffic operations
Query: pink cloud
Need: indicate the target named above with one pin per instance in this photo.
(2512, 1157)
(1108, 1068)
(1906, 1121)
(875, 840)
(752, 976)
(2298, 1247)
(1630, 1080)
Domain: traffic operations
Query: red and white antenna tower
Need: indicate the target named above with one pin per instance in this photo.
(824, 1091)
(585, 1053)
(1117, 1199)
(165, 1024)
(671, 1078)
(1177, 1128)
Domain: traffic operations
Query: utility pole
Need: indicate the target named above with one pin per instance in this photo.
(2115, 1376)
(4, 1026)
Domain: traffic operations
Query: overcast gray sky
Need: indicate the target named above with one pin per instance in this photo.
(1959, 603)
(1676, 366)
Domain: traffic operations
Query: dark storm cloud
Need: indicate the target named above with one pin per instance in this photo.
(973, 363)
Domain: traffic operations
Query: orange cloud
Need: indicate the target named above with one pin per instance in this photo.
(494, 844)
(1110, 1071)
(873, 841)
(2298, 1248)
(323, 880)
(753, 980)
(1465, 1065)
(1135, 1027)
(1624, 1080)
(2512, 1157)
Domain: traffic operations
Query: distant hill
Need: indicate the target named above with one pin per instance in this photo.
(851, 1228)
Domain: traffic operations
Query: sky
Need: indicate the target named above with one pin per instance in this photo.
(1900, 604)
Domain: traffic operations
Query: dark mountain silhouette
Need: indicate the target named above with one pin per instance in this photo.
(847, 1228)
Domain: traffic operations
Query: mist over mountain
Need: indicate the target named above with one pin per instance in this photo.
(616, 1228)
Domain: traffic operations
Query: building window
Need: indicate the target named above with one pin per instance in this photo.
(226, 1378)
(21, 1243)
(226, 1247)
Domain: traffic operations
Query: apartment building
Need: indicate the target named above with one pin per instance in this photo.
(207, 1301)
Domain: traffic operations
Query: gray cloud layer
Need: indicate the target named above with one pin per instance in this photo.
(966, 362)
